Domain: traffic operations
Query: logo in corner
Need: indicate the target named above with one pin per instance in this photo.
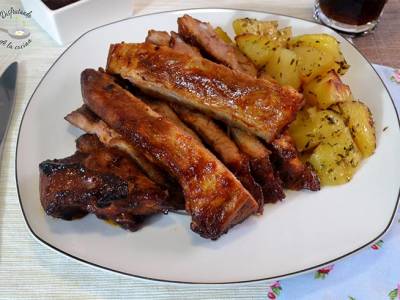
(13, 31)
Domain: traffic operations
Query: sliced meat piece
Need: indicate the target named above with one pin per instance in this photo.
(86, 120)
(144, 196)
(225, 149)
(166, 111)
(261, 166)
(214, 197)
(160, 38)
(89, 122)
(202, 34)
(178, 44)
(251, 104)
(294, 173)
(102, 181)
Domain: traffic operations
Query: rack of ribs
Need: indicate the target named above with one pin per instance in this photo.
(255, 105)
(294, 173)
(214, 198)
(100, 180)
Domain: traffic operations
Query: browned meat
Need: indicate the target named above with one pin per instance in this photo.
(225, 149)
(178, 44)
(160, 38)
(86, 120)
(164, 110)
(214, 197)
(202, 34)
(99, 180)
(294, 173)
(261, 166)
(255, 105)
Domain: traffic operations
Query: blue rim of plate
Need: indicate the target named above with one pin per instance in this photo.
(188, 282)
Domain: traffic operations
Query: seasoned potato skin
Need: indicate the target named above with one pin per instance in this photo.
(283, 67)
(258, 48)
(324, 91)
(325, 43)
(332, 151)
(359, 120)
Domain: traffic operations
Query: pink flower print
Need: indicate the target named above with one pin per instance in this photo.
(274, 290)
(396, 76)
(323, 272)
(377, 245)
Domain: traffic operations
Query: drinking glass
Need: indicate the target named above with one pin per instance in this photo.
(349, 16)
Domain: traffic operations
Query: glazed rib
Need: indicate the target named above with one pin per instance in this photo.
(254, 105)
(225, 148)
(166, 111)
(99, 180)
(202, 34)
(294, 173)
(214, 197)
(178, 44)
(86, 120)
(160, 38)
(261, 166)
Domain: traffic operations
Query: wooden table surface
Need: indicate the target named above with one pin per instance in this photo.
(383, 45)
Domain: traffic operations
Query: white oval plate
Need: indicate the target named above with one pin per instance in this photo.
(305, 231)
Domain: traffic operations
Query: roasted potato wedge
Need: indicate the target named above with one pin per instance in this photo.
(331, 150)
(311, 127)
(283, 67)
(313, 62)
(247, 25)
(256, 47)
(358, 119)
(327, 90)
(223, 35)
(336, 160)
(325, 43)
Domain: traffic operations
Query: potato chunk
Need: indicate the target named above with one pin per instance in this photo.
(223, 35)
(325, 91)
(258, 48)
(325, 43)
(283, 67)
(331, 150)
(336, 160)
(247, 25)
(313, 62)
(359, 119)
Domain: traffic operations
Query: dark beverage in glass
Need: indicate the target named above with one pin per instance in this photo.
(352, 16)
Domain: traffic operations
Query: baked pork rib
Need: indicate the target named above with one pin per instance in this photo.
(213, 196)
(260, 163)
(99, 180)
(293, 172)
(202, 35)
(225, 149)
(86, 120)
(254, 105)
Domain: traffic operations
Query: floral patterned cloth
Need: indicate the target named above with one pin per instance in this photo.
(374, 273)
